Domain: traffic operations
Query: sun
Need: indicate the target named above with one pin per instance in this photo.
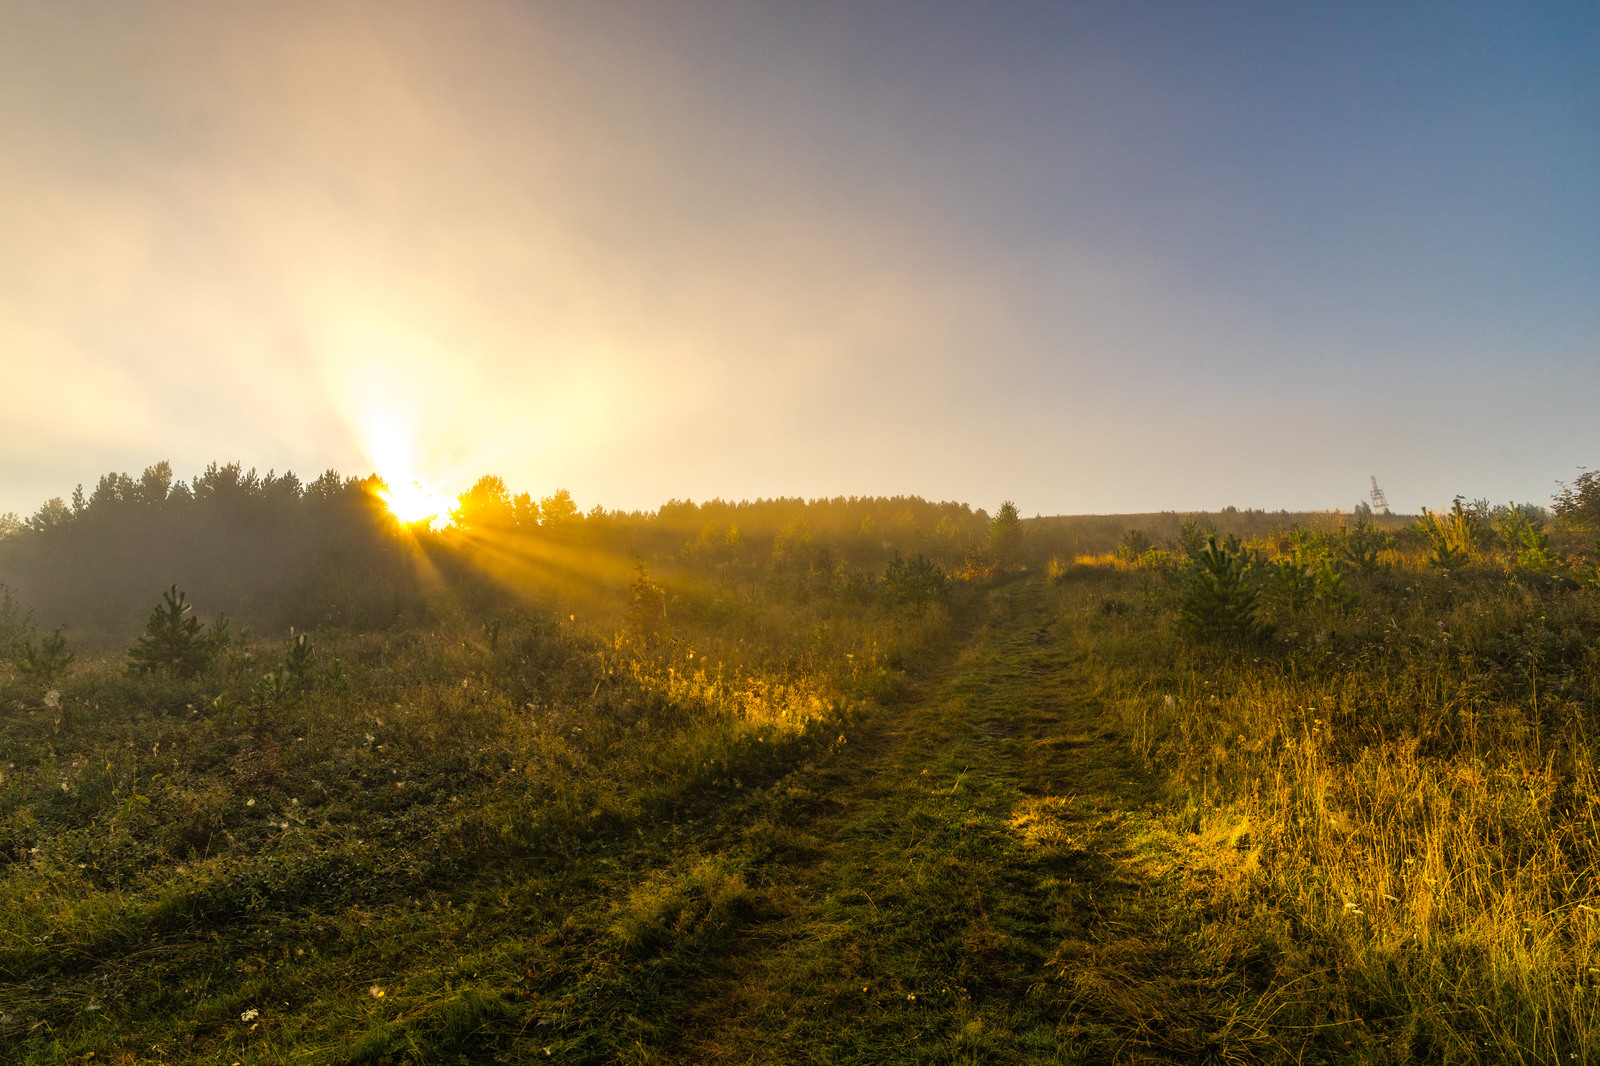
(411, 503)
(405, 496)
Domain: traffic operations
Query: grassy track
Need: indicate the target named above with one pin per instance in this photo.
(969, 875)
(969, 882)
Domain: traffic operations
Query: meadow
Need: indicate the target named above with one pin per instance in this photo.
(793, 781)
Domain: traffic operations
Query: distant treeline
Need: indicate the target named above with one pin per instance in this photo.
(275, 551)
(258, 547)
(1071, 535)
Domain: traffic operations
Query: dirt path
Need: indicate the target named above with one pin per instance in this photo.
(966, 887)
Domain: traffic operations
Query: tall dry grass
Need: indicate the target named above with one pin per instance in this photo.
(1393, 807)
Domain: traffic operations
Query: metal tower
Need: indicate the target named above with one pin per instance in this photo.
(1380, 502)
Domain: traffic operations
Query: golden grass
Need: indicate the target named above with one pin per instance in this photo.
(1401, 800)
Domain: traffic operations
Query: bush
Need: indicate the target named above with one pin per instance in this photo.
(915, 583)
(1578, 504)
(175, 640)
(1218, 602)
(48, 661)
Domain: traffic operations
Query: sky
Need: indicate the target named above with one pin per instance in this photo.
(1092, 258)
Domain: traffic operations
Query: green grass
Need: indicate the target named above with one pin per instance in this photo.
(1410, 785)
(1035, 825)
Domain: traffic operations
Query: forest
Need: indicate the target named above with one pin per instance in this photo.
(284, 779)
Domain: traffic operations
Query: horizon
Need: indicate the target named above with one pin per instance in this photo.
(86, 489)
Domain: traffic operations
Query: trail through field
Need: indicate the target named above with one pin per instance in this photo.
(968, 883)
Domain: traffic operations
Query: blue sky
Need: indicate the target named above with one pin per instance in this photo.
(1095, 257)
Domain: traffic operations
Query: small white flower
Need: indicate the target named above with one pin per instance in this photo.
(250, 1015)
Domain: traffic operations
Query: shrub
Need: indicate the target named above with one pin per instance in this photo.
(1294, 578)
(1578, 504)
(1361, 544)
(175, 640)
(48, 661)
(1134, 544)
(1329, 586)
(647, 609)
(1191, 538)
(915, 583)
(1218, 602)
(1454, 534)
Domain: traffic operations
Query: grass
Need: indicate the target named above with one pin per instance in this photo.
(179, 854)
(1411, 788)
(1032, 825)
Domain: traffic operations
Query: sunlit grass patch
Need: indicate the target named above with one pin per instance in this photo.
(1397, 797)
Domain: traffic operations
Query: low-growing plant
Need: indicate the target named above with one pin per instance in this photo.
(1454, 535)
(1293, 578)
(175, 640)
(1362, 543)
(1134, 544)
(48, 660)
(647, 607)
(1218, 601)
(1329, 587)
(297, 661)
(914, 584)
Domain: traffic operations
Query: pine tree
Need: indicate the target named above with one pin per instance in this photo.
(175, 640)
(1005, 534)
(1218, 602)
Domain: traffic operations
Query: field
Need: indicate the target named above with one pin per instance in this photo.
(838, 781)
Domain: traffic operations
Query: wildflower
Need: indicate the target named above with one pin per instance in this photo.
(250, 1015)
(377, 991)
(250, 802)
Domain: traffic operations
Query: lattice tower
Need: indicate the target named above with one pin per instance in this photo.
(1380, 502)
